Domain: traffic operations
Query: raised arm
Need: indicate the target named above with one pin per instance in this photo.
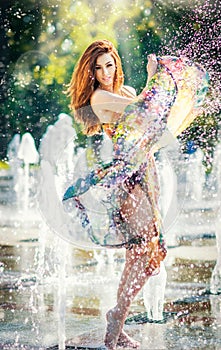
(151, 66)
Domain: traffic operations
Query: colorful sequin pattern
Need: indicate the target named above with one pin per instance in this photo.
(171, 101)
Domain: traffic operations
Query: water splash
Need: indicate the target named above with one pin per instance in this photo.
(197, 37)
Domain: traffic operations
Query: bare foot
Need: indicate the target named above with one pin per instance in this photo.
(127, 342)
(114, 327)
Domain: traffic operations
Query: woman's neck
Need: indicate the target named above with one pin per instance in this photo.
(108, 88)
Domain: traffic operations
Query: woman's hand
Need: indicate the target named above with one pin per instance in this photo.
(151, 66)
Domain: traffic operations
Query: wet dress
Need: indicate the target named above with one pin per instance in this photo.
(145, 179)
(170, 101)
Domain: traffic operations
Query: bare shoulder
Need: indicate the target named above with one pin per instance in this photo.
(99, 96)
(129, 91)
(106, 105)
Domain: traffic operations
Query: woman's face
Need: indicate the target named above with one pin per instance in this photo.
(105, 71)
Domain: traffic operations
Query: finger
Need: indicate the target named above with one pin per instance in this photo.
(152, 56)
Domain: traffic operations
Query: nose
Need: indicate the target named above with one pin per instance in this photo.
(105, 71)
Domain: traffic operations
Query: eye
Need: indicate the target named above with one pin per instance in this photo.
(97, 68)
(110, 65)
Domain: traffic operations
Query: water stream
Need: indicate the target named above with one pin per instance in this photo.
(54, 295)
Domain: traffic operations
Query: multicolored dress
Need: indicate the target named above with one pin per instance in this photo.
(171, 101)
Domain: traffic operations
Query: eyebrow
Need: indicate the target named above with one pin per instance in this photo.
(98, 65)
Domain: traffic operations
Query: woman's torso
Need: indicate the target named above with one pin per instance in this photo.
(109, 128)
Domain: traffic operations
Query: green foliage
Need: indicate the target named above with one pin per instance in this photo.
(43, 40)
(168, 28)
(20, 29)
(203, 132)
(3, 166)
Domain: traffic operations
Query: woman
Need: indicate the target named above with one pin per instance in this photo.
(97, 84)
(99, 100)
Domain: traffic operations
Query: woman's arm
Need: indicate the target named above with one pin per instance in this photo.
(151, 66)
(108, 106)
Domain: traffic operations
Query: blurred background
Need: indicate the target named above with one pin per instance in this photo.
(51, 290)
(41, 41)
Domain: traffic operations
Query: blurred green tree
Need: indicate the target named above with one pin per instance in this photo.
(42, 41)
(21, 26)
(187, 28)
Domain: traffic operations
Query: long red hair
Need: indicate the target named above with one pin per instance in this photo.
(83, 83)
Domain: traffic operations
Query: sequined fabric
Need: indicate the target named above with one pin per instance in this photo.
(171, 101)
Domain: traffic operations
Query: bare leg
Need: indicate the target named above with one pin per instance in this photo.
(116, 316)
(124, 276)
(127, 342)
(136, 211)
(124, 339)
